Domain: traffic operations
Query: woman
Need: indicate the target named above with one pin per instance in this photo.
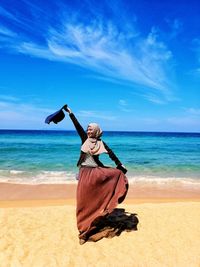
(99, 188)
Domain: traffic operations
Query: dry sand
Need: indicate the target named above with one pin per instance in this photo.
(41, 232)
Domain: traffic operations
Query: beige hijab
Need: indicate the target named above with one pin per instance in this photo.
(94, 146)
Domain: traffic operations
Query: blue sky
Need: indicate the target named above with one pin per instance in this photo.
(127, 65)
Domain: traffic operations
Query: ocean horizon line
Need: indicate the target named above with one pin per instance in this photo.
(109, 131)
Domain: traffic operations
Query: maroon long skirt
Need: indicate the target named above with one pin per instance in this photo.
(98, 193)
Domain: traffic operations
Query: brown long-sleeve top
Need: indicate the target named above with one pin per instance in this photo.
(83, 136)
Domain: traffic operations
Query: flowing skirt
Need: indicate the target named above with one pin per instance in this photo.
(98, 193)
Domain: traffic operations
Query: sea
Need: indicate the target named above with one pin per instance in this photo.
(50, 157)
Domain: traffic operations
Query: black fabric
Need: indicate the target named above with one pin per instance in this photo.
(55, 117)
(83, 136)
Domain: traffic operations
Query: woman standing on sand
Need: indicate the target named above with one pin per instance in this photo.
(100, 188)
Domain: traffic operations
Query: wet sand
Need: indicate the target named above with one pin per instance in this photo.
(15, 192)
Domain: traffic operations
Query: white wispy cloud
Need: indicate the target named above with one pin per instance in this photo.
(103, 48)
(193, 111)
(176, 27)
(196, 49)
(108, 52)
(189, 119)
(124, 106)
(91, 114)
(7, 14)
(154, 99)
(14, 113)
(123, 102)
(6, 32)
(8, 98)
(184, 121)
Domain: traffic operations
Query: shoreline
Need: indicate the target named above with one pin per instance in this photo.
(65, 194)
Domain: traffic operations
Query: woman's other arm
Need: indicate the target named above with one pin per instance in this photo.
(115, 159)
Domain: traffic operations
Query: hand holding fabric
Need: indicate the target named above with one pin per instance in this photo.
(122, 168)
(67, 109)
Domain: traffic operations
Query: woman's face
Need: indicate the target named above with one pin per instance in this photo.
(90, 132)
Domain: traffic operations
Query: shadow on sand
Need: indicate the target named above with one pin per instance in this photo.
(113, 225)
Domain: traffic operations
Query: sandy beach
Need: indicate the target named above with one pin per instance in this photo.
(38, 228)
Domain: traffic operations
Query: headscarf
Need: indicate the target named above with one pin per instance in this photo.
(93, 145)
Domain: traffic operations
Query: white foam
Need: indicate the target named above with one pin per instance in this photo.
(68, 177)
(164, 180)
(43, 177)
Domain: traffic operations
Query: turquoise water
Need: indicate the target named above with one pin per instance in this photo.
(51, 156)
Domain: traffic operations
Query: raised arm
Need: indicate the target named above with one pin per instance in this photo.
(76, 123)
(115, 159)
